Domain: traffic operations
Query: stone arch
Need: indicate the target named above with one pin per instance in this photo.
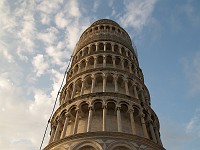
(99, 60)
(76, 68)
(126, 65)
(107, 27)
(78, 86)
(70, 90)
(121, 145)
(80, 54)
(116, 49)
(91, 61)
(93, 48)
(121, 84)
(108, 47)
(123, 51)
(110, 85)
(101, 47)
(101, 27)
(125, 117)
(87, 145)
(111, 120)
(109, 60)
(85, 51)
(87, 84)
(113, 29)
(98, 83)
(131, 88)
(97, 115)
(118, 62)
(82, 123)
(83, 65)
(137, 117)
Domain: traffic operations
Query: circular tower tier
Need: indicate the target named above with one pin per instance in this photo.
(104, 104)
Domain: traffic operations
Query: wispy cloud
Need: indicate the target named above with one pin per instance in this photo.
(40, 64)
(193, 126)
(137, 13)
(192, 72)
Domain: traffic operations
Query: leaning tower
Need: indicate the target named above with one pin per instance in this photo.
(104, 104)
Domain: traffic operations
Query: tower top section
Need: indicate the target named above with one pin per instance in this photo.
(105, 21)
(104, 30)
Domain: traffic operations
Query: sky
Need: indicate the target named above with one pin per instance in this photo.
(37, 38)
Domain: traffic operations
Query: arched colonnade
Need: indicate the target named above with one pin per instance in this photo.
(109, 115)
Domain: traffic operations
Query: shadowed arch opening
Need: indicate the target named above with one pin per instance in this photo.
(100, 47)
(99, 60)
(108, 47)
(116, 49)
(109, 61)
(97, 116)
(110, 86)
(93, 48)
(88, 84)
(121, 85)
(126, 124)
(98, 83)
(111, 119)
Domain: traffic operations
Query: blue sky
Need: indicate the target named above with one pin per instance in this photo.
(37, 39)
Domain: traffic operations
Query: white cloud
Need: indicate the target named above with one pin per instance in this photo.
(48, 36)
(57, 54)
(49, 7)
(40, 64)
(60, 20)
(45, 18)
(73, 8)
(137, 13)
(4, 51)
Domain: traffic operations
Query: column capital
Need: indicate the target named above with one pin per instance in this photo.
(118, 107)
(67, 115)
(131, 110)
(115, 76)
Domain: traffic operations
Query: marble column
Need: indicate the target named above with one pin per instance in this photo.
(104, 117)
(152, 132)
(95, 61)
(104, 47)
(142, 95)
(93, 84)
(57, 130)
(115, 81)
(104, 61)
(76, 122)
(130, 69)
(112, 45)
(65, 126)
(114, 64)
(74, 91)
(131, 111)
(53, 130)
(144, 126)
(104, 83)
(66, 95)
(135, 91)
(82, 87)
(119, 122)
(122, 63)
(89, 123)
(126, 86)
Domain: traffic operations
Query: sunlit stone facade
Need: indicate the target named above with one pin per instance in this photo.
(104, 104)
